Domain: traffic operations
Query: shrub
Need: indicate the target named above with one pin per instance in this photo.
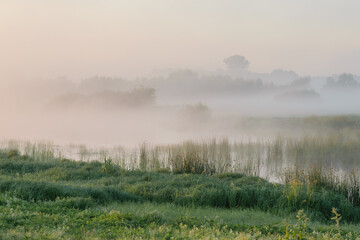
(13, 153)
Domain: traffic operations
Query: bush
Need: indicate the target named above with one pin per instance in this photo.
(73, 202)
(13, 153)
(41, 191)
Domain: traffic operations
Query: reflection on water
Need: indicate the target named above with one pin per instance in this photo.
(267, 158)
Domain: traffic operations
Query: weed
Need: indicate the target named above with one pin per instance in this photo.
(108, 166)
(336, 218)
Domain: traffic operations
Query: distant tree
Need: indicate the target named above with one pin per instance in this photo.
(299, 95)
(103, 83)
(344, 81)
(139, 97)
(143, 96)
(282, 76)
(330, 82)
(236, 62)
(183, 74)
(347, 80)
(197, 112)
(301, 82)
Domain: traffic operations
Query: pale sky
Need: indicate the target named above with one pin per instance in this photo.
(81, 38)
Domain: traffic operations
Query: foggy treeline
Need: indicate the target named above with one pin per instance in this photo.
(174, 104)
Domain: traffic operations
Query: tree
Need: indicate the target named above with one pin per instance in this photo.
(236, 62)
(347, 80)
(344, 81)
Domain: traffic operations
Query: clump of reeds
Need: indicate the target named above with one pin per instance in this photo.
(322, 177)
(192, 157)
(325, 161)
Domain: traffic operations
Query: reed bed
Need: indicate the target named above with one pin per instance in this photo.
(329, 161)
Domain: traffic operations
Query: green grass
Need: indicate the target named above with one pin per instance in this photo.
(74, 218)
(73, 200)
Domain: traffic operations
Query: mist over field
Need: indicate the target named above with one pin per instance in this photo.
(179, 119)
(172, 107)
(121, 73)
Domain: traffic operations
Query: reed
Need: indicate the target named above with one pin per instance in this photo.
(327, 161)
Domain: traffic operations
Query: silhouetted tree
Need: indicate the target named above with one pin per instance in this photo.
(236, 62)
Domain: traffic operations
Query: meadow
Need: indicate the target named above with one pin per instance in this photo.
(48, 197)
(180, 119)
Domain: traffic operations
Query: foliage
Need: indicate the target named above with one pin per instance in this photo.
(59, 198)
(107, 99)
(64, 219)
(33, 180)
(108, 166)
(344, 81)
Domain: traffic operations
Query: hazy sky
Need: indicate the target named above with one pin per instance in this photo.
(80, 38)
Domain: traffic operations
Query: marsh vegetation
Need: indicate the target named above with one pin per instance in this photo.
(104, 200)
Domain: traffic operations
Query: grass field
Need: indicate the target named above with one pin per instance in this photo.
(64, 199)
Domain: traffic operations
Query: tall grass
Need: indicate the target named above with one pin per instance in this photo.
(251, 157)
(346, 183)
(330, 161)
(39, 150)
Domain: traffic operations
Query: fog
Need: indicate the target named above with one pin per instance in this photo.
(122, 73)
(169, 108)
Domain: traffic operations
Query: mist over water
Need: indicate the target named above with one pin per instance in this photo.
(198, 119)
(172, 107)
(123, 73)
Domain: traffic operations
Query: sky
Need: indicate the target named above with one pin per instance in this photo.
(130, 38)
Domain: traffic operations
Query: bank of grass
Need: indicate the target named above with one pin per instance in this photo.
(60, 198)
(68, 218)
